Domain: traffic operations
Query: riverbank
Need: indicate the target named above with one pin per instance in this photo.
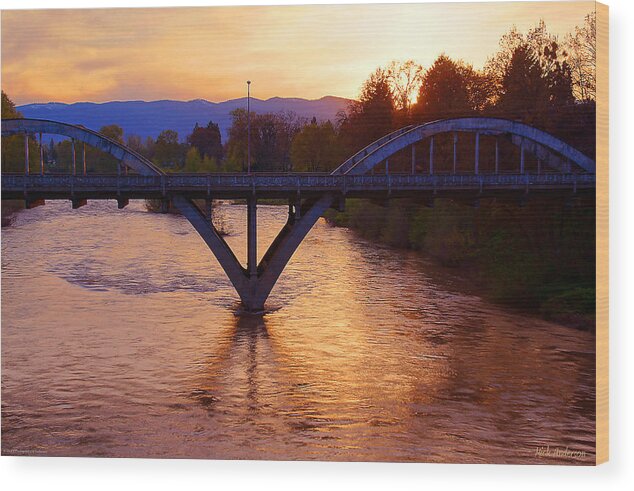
(537, 258)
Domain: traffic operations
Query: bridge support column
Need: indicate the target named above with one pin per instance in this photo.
(455, 151)
(215, 242)
(282, 249)
(78, 202)
(477, 152)
(208, 208)
(297, 207)
(72, 140)
(431, 156)
(41, 157)
(254, 284)
(33, 203)
(341, 207)
(294, 210)
(26, 153)
(252, 237)
(291, 212)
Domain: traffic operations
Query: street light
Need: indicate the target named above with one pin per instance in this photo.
(249, 126)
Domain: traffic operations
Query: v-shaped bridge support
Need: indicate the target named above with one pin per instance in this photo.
(254, 283)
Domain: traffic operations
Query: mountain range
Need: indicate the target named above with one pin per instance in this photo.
(150, 118)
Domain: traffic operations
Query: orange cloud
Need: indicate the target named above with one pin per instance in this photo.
(302, 51)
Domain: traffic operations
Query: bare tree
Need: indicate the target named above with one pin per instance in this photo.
(582, 56)
(542, 44)
(405, 78)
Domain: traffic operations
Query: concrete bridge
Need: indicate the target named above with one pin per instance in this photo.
(561, 169)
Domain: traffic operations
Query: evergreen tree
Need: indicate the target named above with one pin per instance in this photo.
(449, 89)
(8, 108)
(207, 140)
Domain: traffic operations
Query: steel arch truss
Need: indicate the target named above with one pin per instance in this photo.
(554, 152)
(125, 155)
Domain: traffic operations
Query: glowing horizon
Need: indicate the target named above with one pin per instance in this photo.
(208, 53)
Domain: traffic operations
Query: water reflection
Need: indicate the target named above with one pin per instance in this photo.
(131, 348)
(246, 340)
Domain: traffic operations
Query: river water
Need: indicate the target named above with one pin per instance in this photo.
(119, 338)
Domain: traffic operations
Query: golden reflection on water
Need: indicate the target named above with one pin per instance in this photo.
(120, 339)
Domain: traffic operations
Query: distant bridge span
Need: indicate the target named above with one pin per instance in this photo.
(309, 195)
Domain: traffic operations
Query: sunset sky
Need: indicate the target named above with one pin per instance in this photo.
(209, 53)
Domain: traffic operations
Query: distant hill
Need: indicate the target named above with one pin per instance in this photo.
(150, 118)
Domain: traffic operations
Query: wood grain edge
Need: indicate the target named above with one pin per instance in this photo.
(602, 235)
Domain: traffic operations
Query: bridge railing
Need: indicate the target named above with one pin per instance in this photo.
(298, 182)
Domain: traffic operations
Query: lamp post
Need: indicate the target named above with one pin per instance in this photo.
(252, 226)
(249, 126)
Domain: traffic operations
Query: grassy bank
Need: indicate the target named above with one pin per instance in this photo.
(538, 258)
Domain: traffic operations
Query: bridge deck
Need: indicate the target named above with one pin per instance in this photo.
(264, 186)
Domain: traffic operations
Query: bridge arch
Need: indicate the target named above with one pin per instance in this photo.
(101, 142)
(547, 147)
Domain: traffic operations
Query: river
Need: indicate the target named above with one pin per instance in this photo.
(120, 338)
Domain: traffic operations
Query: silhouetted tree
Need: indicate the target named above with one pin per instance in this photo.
(523, 89)
(207, 140)
(536, 92)
(582, 58)
(372, 116)
(450, 89)
(544, 50)
(8, 108)
(271, 138)
(405, 79)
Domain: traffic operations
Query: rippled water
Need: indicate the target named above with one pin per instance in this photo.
(119, 339)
